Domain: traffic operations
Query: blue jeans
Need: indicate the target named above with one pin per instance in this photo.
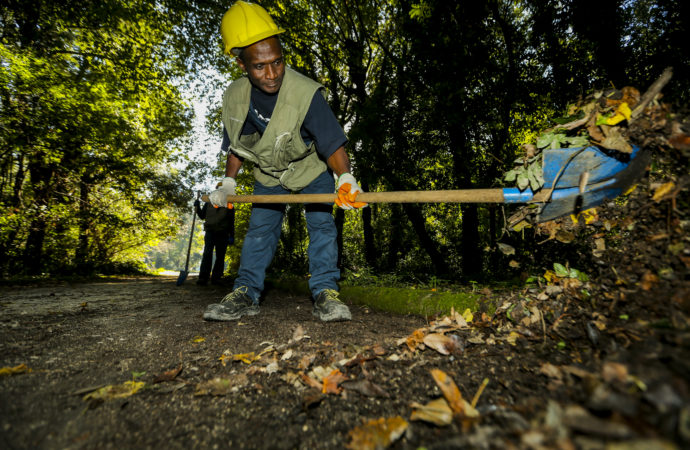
(263, 235)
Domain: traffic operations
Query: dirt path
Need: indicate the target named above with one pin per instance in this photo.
(80, 337)
(75, 337)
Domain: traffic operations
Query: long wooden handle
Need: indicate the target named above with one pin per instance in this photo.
(449, 196)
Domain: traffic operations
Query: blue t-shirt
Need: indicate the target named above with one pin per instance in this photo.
(319, 126)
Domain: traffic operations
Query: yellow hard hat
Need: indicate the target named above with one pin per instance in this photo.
(244, 24)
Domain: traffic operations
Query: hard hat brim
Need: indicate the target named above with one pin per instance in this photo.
(254, 39)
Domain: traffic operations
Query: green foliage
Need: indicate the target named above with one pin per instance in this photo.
(555, 139)
(565, 272)
(91, 122)
(527, 175)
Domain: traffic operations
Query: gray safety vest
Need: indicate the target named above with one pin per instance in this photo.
(280, 156)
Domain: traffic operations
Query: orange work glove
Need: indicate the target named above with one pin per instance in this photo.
(348, 189)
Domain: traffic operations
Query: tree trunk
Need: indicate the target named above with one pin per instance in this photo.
(33, 250)
(417, 218)
(81, 256)
(470, 251)
(41, 178)
(604, 30)
(469, 246)
(396, 247)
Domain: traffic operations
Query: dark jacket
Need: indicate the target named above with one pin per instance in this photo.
(216, 219)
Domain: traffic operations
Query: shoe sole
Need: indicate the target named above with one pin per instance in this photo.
(214, 312)
(335, 316)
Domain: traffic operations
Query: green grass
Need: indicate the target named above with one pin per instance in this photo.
(399, 300)
(423, 302)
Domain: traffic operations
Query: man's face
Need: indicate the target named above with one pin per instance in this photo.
(263, 62)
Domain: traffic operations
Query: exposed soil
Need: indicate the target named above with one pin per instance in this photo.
(605, 368)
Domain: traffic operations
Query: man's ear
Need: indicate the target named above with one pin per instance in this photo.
(241, 64)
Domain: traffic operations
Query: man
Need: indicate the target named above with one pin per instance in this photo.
(219, 232)
(279, 120)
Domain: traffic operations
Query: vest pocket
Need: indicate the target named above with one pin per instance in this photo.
(287, 149)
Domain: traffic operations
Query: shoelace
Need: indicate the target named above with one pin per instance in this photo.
(332, 297)
(234, 294)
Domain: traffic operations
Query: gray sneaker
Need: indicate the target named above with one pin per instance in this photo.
(233, 306)
(329, 308)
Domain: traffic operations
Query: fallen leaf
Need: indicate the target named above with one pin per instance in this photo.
(221, 386)
(332, 381)
(365, 387)
(287, 355)
(506, 249)
(662, 190)
(436, 411)
(169, 375)
(443, 344)
(272, 367)
(614, 140)
(571, 283)
(379, 350)
(622, 113)
(112, 392)
(594, 131)
(600, 246)
(224, 358)
(578, 372)
(309, 381)
(565, 236)
(321, 372)
(21, 368)
(306, 361)
(649, 280)
(415, 339)
(512, 338)
(551, 371)
(356, 360)
(476, 339)
(377, 434)
(297, 335)
(588, 215)
(449, 389)
(521, 225)
(293, 379)
(679, 139)
(613, 371)
(631, 96)
(246, 358)
(198, 339)
(458, 318)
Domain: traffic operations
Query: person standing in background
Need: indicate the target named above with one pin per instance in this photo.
(219, 232)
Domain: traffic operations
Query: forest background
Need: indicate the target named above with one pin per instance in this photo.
(98, 165)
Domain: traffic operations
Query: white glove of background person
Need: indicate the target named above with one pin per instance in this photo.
(348, 189)
(219, 197)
